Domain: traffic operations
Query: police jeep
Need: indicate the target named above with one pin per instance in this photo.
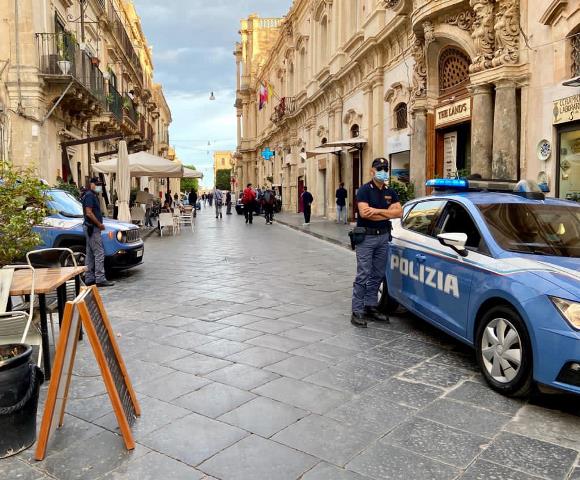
(64, 228)
(497, 266)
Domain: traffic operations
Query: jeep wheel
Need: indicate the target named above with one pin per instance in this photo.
(80, 253)
(386, 303)
(504, 351)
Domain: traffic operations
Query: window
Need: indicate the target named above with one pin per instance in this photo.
(423, 216)
(453, 70)
(323, 40)
(456, 219)
(354, 131)
(401, 116)
(575, 52)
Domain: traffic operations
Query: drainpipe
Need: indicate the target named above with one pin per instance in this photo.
(17, 45)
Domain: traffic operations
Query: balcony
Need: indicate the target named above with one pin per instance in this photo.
(61, 61)
(286, 106)
(118, 29)
(121, 114)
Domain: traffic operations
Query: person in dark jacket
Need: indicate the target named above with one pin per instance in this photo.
(341, 210)
(192, 199)
(229, 203)
(307, 200)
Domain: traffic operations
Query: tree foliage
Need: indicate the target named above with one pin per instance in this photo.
(22, 206)
(188, 184)
(406, 191)
(223, 179)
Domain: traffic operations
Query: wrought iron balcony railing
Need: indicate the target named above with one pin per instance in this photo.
(115, 103)
(129, 109)
(286, 106)
(59, 55)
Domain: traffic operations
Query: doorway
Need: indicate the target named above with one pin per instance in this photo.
(300, 192)
(453, 151)
(356, 182)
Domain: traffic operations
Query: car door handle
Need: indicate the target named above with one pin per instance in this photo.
(420, 258)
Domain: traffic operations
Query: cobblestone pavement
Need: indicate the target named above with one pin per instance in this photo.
(238, 342)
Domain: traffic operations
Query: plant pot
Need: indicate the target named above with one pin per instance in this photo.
(64, 66)
(95, 61)
(19, 386)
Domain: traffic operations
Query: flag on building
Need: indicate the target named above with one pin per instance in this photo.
(263, 96)
(271, 91)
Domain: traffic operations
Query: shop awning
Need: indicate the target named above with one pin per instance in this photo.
(322, 151)
(348, 142)
(143, 164)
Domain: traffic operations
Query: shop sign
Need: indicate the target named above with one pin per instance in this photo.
(450, 155)
(398, 143)
(567, 109)
(454, 112)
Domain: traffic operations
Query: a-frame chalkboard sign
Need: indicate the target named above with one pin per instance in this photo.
(88, 309)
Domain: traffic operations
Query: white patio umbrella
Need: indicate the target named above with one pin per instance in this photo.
(123, 182)
(189, 173)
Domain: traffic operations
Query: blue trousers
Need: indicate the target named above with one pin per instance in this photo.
(371, 262)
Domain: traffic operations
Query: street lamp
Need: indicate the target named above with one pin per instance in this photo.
(211, 96)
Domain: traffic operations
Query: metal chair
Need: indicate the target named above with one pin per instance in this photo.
(17, 326)
(54, 258)
(138, 215)
(186, 217)
(166, 221)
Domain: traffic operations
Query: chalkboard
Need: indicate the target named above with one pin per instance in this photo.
(88, 309)
(102, 339)
(59, 385)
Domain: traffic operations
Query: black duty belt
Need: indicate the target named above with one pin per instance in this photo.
(376, 231)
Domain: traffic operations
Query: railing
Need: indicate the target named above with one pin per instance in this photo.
(115, 103)
(270, 22)
(286, 106)
(60, 55)
(121, 35)
(130, 110)
(101, 4)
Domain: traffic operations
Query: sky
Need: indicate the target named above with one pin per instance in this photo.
(193, 43)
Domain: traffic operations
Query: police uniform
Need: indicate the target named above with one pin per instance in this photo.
(371, 254)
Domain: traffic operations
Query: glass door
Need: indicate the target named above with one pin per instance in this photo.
(568, 170)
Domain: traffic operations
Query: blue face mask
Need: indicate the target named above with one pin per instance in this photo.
(99, 189)
(381, 176)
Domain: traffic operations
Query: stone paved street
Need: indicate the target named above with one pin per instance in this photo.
(238, 342)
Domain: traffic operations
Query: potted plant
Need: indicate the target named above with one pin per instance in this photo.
(19, 386)
(22, 206)
(95, 61)
(64, 54)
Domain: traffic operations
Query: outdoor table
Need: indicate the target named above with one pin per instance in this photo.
(46, 280)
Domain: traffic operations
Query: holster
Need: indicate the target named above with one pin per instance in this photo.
(357, 236)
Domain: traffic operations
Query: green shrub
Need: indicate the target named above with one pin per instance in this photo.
(406, 191)
(22, 206)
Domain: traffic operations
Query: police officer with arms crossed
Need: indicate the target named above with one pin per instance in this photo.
(93, 225)
(377, 205)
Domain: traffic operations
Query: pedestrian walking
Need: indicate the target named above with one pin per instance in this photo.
(210, 199)
(228, 203)
(377, 205)
(204, 199)
(192, 199)
(269, 198)
(248, 200)
(148, 208)
(307, 200)
(93, 226)
(218, 199)
(168, 197)
(341, 209)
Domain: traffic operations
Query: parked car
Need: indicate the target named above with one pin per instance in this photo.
(64, 228)
(500, 271)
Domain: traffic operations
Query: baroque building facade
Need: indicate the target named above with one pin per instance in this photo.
(441, 88)
(72, 73)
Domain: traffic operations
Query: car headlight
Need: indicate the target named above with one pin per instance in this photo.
(569, 309)
(120, 236)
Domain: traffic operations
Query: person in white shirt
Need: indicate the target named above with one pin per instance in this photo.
(218, 197)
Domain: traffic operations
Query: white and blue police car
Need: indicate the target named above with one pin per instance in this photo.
(496, 265)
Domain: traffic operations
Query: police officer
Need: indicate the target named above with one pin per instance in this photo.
(93, 226)
(377, 205)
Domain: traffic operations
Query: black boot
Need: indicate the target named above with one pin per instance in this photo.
(358, 320)
(374, 313)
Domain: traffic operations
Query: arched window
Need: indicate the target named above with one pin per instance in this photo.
(453, 70)
(354, 131)
(400, 116)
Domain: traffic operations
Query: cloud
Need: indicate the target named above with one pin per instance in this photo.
(193, 43)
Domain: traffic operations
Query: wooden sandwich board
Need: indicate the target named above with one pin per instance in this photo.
(88, 309)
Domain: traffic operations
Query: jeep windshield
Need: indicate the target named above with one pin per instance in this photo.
(64, 203)
(538, 229)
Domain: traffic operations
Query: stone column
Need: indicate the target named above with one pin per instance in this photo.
(239, 126)
(481, 130)
(368, 148)
(378, 149)
(419, 149)
(505, 132)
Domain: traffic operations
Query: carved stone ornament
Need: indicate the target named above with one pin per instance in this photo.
(483, 35)
(420, 69)
(464, 20)
(429, 31)
(392, 3)
(507, 33)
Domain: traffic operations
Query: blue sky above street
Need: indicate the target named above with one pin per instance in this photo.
(193, 43)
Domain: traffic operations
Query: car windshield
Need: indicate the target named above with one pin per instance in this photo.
(538, 229)
(65, 204)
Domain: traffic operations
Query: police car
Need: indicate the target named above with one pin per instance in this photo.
(63, 227)
(497, 266)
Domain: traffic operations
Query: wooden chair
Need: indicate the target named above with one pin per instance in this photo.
(17, 326)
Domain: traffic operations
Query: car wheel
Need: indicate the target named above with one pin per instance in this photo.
(79, 252)
(504, 351)
(386, 303)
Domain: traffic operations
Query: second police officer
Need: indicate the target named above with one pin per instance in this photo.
(377, 205)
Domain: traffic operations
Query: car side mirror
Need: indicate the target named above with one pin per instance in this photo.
(456, 241)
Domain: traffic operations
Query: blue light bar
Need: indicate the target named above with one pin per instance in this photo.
(450, 183)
